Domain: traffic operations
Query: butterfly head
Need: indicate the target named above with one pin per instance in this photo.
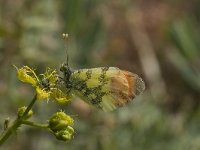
(67, 71)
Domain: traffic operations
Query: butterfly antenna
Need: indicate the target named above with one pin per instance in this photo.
(65, 37)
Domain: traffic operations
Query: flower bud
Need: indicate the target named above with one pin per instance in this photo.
(60, 121)
(21, 111)
(65, 135)
(60, 124)
(6, 123)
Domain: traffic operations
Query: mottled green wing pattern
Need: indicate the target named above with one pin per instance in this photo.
(106, 87)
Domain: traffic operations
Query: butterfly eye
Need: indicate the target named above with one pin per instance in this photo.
(63, 68)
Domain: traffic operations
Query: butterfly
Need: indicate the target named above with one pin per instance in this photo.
(106, 88)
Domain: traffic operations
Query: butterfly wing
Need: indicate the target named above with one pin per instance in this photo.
(106, 88)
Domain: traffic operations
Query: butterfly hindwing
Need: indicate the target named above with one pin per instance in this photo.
(106, 88)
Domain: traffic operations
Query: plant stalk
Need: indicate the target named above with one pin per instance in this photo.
(7, 133)
(37, 125)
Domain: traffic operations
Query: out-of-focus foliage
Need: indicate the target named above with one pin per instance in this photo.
(159, 40)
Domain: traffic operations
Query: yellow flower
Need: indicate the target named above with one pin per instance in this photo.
(51, 77)
(26, 74)
(42, 94)
(60, 97)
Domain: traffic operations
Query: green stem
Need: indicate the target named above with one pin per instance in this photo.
(37, 125)
(16, 123)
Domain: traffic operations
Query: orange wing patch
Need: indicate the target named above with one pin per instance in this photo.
(125, 86)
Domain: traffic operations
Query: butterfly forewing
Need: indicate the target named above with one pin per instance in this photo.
(106, 88)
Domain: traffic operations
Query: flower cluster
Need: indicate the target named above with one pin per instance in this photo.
(47, 87)
(60, 125)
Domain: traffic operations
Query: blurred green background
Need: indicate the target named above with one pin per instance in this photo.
(157, 39)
